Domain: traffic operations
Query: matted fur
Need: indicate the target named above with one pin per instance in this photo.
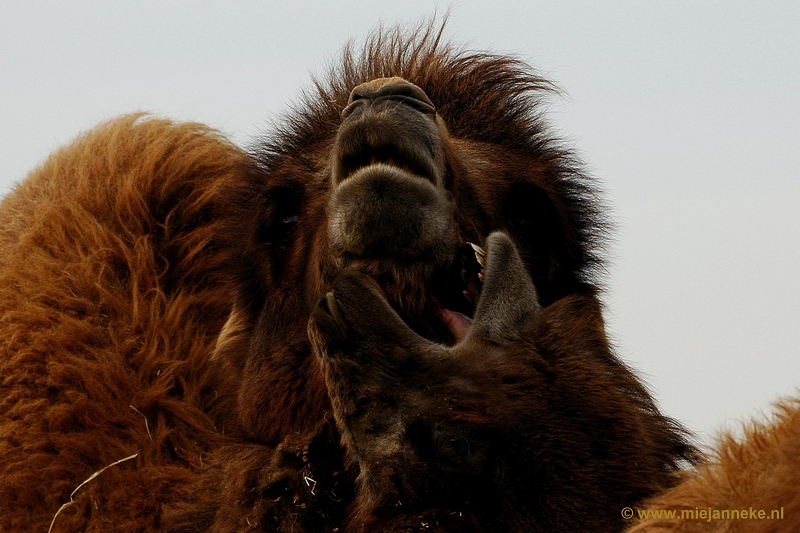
(760, 471)
(111, 298)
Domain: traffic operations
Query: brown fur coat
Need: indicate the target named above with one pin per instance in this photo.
(110, 303)
(760, 472)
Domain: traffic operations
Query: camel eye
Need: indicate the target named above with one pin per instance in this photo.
(287, 225)
(522, 223)
(281, 218)
(534, 222)
(421, 437)
(530, 213)
(461, 444)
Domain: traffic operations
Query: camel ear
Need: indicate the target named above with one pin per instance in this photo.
(508, 297)
(234, 338)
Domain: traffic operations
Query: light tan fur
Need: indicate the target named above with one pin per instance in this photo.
(760, 471)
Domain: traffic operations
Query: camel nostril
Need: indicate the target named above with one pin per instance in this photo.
(359, 93)
(395, 88)
(329, 317)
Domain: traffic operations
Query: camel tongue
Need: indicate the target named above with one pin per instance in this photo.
(456, 322)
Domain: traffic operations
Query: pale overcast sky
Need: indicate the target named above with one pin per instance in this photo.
(687, 113)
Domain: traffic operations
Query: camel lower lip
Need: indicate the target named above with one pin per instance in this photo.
(351, 165)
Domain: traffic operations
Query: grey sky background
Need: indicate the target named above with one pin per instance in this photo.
(687, 113)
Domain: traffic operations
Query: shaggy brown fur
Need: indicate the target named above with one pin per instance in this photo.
(759, 472)
(467, 153)
(115, 281)
(111, 299)
(503, 172)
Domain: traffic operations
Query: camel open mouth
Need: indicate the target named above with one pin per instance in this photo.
(441, 308)
(445, 310)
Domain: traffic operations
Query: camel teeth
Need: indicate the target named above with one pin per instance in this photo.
(478, 250)
(480, 254)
